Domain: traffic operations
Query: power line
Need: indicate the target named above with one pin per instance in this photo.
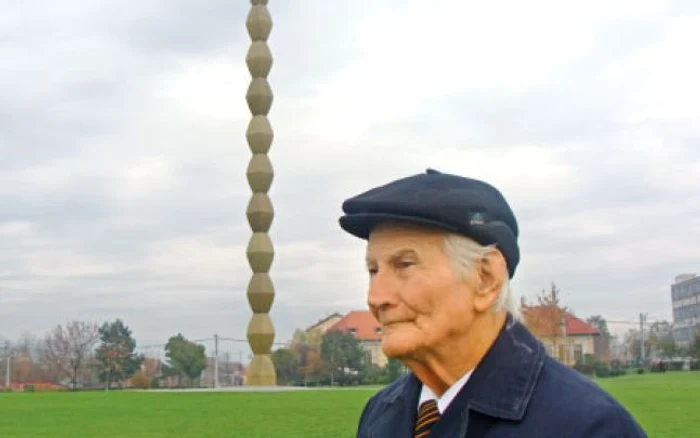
(245, 340)
(196, 341)
(634, 322)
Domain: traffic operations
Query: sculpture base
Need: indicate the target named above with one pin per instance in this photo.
(261, 371)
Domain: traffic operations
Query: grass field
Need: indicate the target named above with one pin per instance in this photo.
(666, 405)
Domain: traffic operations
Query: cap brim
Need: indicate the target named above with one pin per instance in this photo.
(361, 224)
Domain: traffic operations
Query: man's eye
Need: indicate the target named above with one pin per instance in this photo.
(406, 263)
(372, 271)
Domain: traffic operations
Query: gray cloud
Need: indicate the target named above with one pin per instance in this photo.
(122, 172)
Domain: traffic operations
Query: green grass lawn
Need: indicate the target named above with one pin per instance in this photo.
(666, 405)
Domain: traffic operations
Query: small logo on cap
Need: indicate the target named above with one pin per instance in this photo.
(477, 219)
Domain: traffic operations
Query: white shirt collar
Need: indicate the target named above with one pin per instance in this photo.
(449, 395)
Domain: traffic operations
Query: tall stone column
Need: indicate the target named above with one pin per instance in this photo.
(260, 252)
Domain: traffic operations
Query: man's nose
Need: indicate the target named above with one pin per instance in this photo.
(382, 290)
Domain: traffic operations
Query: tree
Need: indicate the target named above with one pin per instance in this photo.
(661, 342)
(140, 380)
(600, 324)
(668, 349)
(310, 363)
(116, 356)
(312, 338)
(286, 365)
(394, 369)
(67, 349)
(305, 347)
(694, 347)
(633, 345)
(27, 363)
(342, 355)
(186, 358)
(546, 320)
(602, 341)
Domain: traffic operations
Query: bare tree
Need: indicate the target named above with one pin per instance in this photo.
(67, 349)
(547, 319)
(26, 365)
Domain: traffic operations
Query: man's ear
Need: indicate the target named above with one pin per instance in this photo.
(492, 272)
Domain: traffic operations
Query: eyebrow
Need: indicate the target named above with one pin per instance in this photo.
(395, 255)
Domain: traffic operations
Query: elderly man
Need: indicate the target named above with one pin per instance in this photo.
(441, 250)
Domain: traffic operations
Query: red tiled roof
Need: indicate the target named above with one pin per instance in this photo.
(577, 326)
(538, 319)
(366, 327)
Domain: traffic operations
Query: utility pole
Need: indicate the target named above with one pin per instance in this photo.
(642, 359)
(216, 361)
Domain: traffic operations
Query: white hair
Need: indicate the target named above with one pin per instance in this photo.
(465, 255)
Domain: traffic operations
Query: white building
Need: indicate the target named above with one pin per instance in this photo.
(685, 296)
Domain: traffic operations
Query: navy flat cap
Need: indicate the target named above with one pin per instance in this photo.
(453, 203)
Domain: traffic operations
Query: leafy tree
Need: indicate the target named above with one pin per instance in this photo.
(602, 342)
(312, 338)
(67, 349)
(186, 358)
(668, 349)
(694, 348)
(632, 343)
(599, 323)
(659, 336)
(310, 363)
(342, 355)
(394, 369)
(286, 365)
(305, 347)
(116, 356)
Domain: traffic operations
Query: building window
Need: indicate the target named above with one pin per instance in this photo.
(353, 331)
(378, 330)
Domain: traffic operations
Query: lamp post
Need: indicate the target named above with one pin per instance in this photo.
(260, 213)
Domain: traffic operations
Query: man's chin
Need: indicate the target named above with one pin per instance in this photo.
(395, 347)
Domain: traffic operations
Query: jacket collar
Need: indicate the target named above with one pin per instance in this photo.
(501, 385)
(397, 404)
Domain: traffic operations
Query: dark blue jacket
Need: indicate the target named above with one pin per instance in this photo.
(517, 391)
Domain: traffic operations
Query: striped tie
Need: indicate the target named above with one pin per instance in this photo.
(428, 415)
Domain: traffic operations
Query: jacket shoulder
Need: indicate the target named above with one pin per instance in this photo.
(373, 408)
(580, 404)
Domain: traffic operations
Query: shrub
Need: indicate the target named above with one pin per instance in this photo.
(140, 380)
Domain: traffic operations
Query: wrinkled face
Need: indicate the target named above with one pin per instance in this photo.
(414, 292)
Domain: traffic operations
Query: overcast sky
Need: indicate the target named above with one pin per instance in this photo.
(123, 152)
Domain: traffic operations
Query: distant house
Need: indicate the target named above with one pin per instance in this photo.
(367, 330)
(566, 337)
(321, 327)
